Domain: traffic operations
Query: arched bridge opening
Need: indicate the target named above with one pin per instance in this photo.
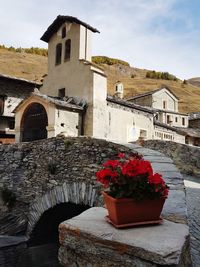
(46, 229)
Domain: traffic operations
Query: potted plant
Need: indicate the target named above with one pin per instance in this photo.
(133, 193)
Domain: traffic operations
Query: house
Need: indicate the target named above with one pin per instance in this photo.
(166, 103)
(12, 92)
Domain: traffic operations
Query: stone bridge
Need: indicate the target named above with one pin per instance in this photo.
(43, 174)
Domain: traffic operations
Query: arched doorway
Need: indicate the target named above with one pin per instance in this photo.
(34, 123)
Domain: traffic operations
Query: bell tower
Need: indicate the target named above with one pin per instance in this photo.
(69, 43)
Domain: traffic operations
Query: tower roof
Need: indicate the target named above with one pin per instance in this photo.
(54, 27)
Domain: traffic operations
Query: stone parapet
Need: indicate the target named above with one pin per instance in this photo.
(88, 240)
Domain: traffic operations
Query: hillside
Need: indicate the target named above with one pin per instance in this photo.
(194, 81)
(33, 67)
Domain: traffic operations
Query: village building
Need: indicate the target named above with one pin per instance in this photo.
(12, 92)
(73, 98)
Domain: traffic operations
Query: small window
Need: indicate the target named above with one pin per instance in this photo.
(164, 104)
(11, 124)
(67, 49)
(183, 121)
(1, 105)
(61, 92)
(58, 53)
(63, 32)
(176, 119)
(168, 118)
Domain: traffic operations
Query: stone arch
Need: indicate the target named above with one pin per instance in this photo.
(76, 192)
(34, 122)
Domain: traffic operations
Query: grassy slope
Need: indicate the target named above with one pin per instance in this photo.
(23, 65)
(33, 67)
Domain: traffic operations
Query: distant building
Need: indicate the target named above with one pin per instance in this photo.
(12, 92)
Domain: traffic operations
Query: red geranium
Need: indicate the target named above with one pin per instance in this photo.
(132, 177)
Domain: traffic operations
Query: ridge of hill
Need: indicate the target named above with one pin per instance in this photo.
(34, 67)
(194, 81)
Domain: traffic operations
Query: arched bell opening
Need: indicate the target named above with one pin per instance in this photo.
(34, 123)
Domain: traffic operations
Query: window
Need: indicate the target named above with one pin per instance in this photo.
(58, 53)
(168, 119)
(67, 49)
(183, 121)
(63, 32)
(176, 119)
(1, 105)
(11, 124)
(61, 92)
(164, 104)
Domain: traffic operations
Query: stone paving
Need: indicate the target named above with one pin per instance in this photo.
(193, 204)
(164, 164)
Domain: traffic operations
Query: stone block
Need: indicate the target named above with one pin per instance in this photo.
(88, 238)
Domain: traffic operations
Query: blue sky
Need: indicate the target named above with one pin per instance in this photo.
(152, 34)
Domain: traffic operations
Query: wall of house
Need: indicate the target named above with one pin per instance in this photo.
(67, 122)
(100, 111)
(144, 101)
(14, 90)
(127, 125)
(175, 119)
(161, 133)
(164, 95)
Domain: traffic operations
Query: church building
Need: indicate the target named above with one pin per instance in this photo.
(73, 98)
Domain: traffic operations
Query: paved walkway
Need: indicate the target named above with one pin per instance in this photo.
(193, 204)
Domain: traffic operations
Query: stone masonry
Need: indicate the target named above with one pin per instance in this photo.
(87, 238)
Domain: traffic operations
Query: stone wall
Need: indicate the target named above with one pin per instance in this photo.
(185, 157)
(44, 173)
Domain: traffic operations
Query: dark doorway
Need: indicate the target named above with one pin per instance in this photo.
(34, 123)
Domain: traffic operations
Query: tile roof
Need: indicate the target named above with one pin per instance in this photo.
(150, 93)
(194, 115)
(4, 76)
(72, 103)
(57, 23)
(125, 103)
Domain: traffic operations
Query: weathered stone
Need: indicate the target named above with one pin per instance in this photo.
(89, 234)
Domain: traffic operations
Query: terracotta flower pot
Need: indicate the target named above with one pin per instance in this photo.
(125, 211)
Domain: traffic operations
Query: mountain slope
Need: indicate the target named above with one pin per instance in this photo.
(33, 67)
(194, 81)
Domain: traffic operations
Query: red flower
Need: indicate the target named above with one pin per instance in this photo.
(111, 163)
(132, 178)
(156, 179)
(106, 176)
(121, 155)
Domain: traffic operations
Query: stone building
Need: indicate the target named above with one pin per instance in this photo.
(73, 99)
(12, 92)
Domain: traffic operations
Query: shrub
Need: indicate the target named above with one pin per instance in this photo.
(108, 61)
